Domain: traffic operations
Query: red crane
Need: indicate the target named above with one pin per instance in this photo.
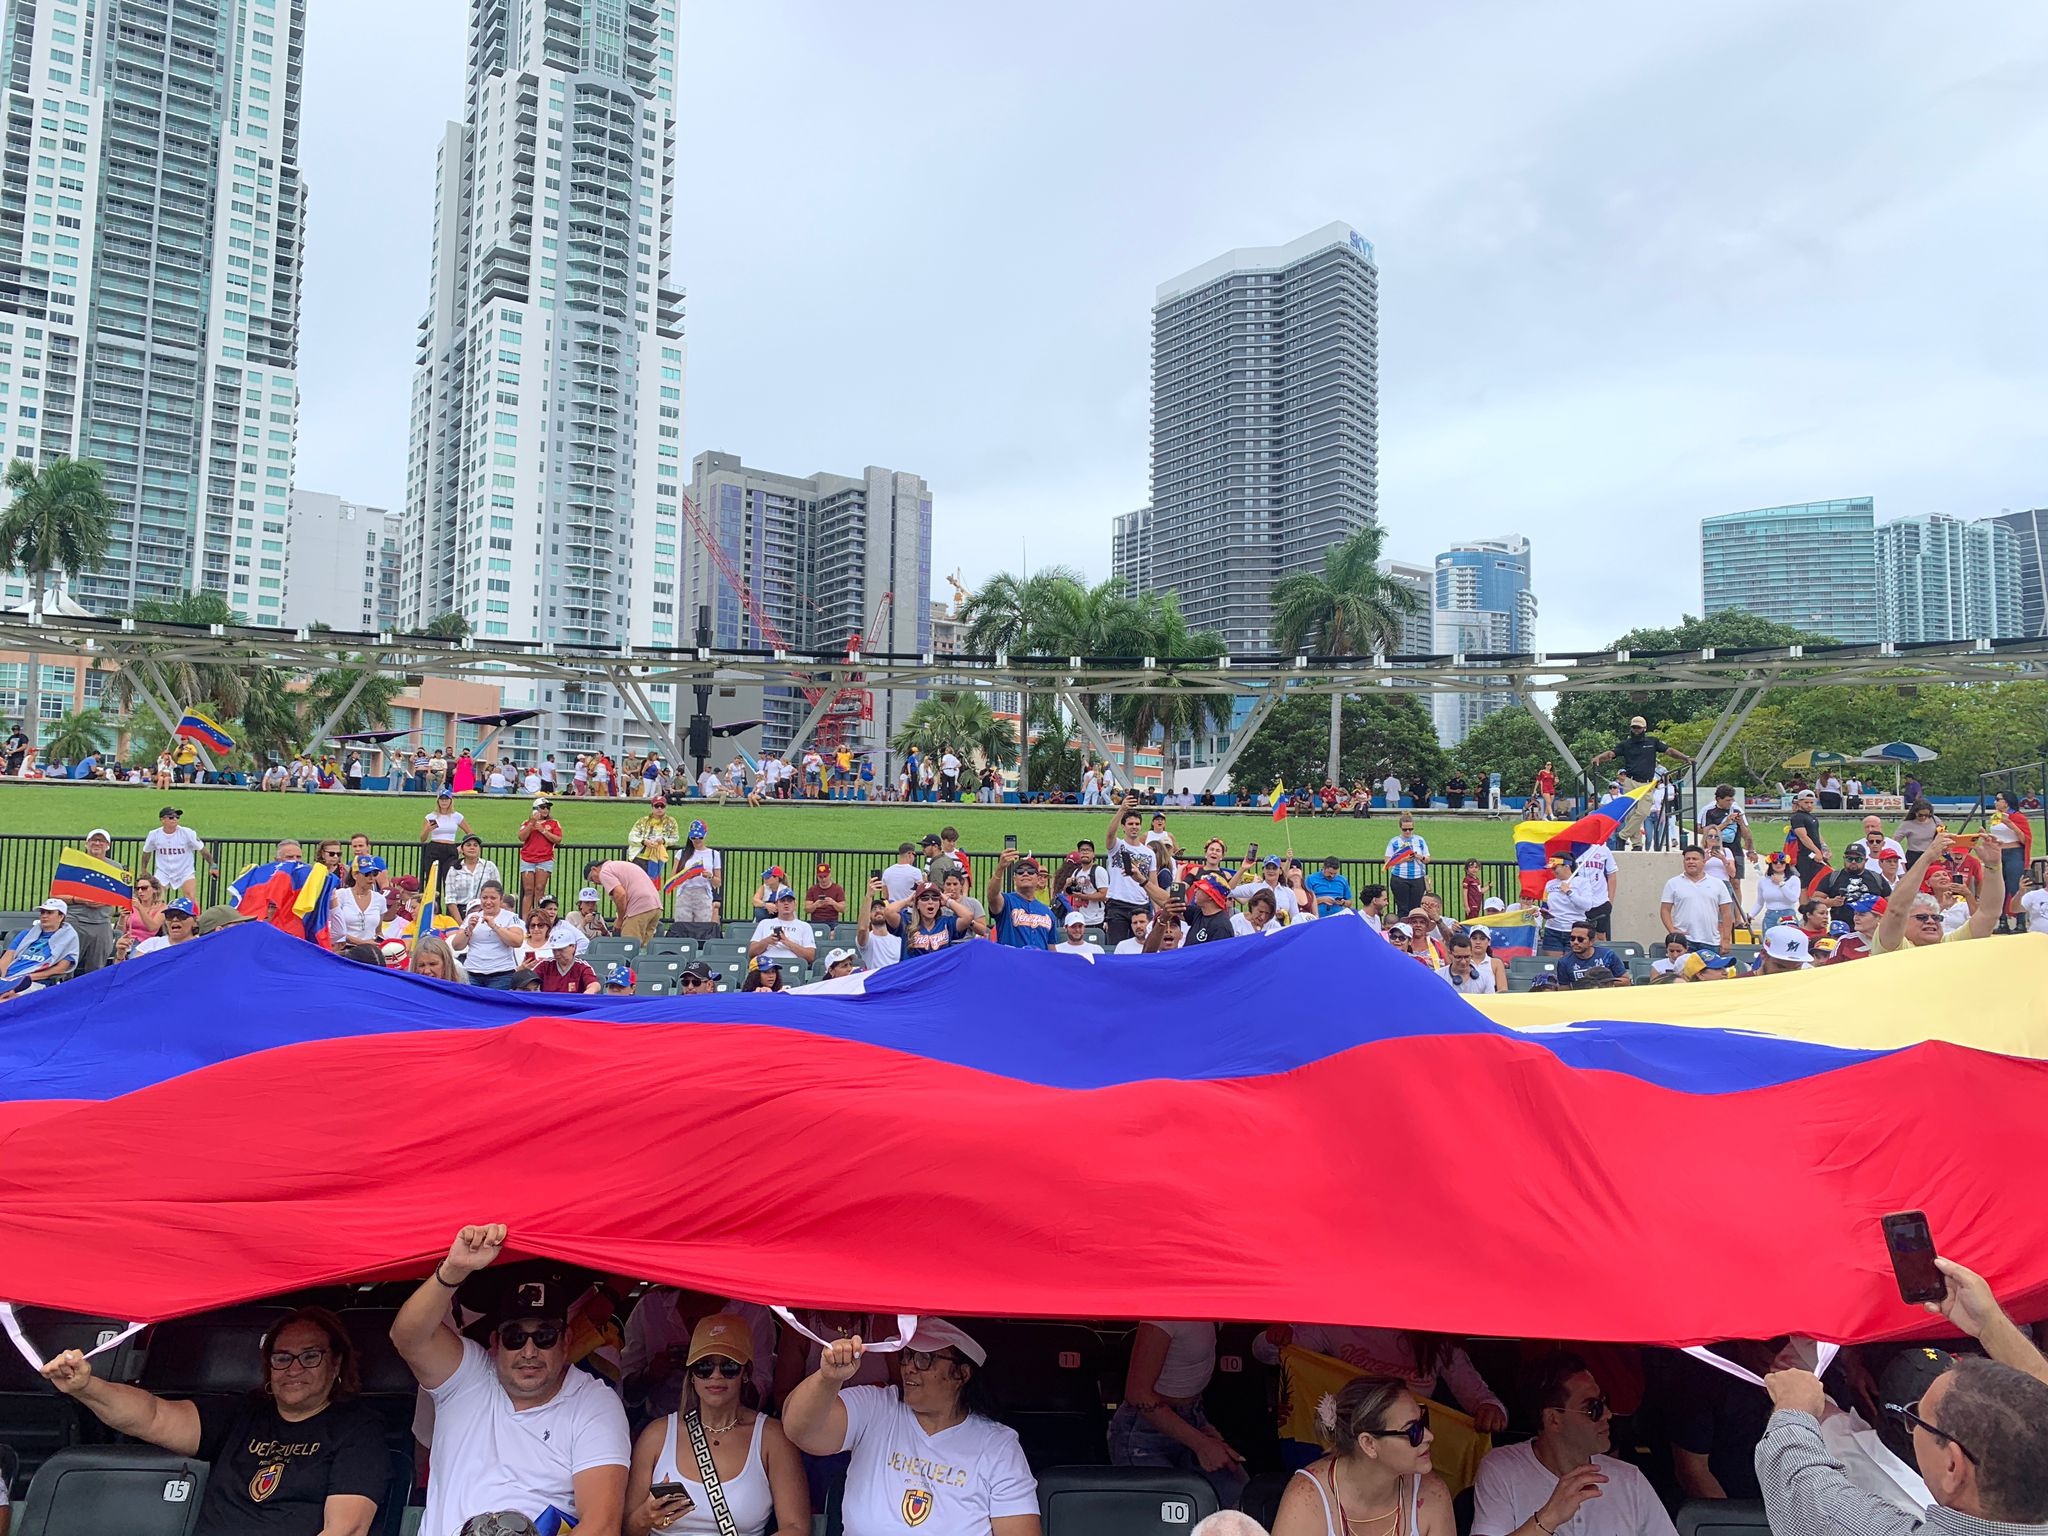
(848, 704)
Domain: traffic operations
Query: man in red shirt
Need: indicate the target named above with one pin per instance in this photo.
(634, 895)
(538, 835)
(562, 971)
(826, 898)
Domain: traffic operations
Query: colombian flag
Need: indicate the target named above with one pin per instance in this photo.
(203, 729)
(81, 877)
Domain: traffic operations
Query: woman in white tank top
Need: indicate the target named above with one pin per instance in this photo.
(760, 1472)
(1377, 1480)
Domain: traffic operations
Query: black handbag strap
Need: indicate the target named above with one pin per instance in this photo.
(707, 1474)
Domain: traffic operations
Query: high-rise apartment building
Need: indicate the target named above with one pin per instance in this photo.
(152, 226)
(1130, 550)
(1940, 578)
(545, 475)
(1418, 631)
(343, 568)
(2030, 558)
(1812, 564)
(824, 558)
(1481, 603)
(1265, 415)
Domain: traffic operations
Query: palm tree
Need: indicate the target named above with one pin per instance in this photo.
(271, 720)
(447, 626)
(1348, 608)
(369, 710)
(962, 721)
(59, 519)
(82, 733)
(1005, 615)
(218, 687)
(1175, 710)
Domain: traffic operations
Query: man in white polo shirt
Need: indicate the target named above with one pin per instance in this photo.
(515, 1429)
(1564, 1480)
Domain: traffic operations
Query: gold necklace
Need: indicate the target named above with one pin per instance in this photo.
(722, 1429)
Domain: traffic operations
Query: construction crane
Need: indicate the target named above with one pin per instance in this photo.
(959, 592)
(849, 705)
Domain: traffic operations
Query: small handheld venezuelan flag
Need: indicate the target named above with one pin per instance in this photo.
(205, 730)
(81, 877)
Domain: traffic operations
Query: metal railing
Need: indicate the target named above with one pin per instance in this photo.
(27, 864)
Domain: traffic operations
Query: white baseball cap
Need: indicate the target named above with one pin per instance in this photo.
(1076, 920)
(834, 956)
(1787, 941)
(589, 893)
(935, 1333)
(1493, 904)
(56, 904)
(565, 936)
(99, 832)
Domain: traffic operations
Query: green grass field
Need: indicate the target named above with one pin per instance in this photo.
(64, 810)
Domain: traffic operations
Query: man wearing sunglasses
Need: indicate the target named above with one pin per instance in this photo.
(515, 1430)
(1980, 1439)
(1564, 1477)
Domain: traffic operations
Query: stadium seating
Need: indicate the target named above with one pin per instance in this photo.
(672, 949)
(1524, 970)
(1050, 1378)
(1121, 1501)
(35, 1421)
(114, 1490)
(603, 952)
(214, 1355)
(1722, 1517)
(652, 986)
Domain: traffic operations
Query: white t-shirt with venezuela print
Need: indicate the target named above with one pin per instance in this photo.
(949, 1484)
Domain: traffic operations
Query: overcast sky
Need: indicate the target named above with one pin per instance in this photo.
(1637, 264)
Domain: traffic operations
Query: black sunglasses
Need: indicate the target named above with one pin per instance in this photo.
(543, 1335)
(1910, 1412)
(704, 1370)
(1412, 1431)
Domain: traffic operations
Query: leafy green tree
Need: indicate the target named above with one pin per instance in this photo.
(1054, 760)
(1174, 711)
(369, 710)
(58, 518)
(1604, 717)
(218, 687)
(1385, 728)
(1009, 614)
(1348, 608)
(81, 733)
(962, 721)
(272, 721)
(1507, 742)
(447, 626)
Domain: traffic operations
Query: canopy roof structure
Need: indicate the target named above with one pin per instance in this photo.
(1308, 1127)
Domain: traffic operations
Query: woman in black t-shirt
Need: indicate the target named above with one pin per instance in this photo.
(298, 1458)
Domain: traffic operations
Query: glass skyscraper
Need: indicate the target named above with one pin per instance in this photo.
(1265, 424)
(2030, 556)
(1812, 564)
(545, 475)
(152, 224)
(1940, 578)
(1481, 603)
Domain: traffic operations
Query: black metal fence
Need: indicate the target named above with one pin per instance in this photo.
(27, 864)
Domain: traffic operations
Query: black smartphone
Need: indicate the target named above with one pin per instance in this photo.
(1911, 1243)
(1010, 842)
(669, 1491)
(1251, 852)
(875, 875)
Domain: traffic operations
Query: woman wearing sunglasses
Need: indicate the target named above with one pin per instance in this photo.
(940, 1417)
(309, 1379)
(1377, 1479)
(759, 1473)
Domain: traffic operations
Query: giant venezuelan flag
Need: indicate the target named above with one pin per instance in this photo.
(1228, 1132)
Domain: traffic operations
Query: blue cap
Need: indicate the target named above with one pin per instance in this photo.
(369, 864)
(1867, 904)
(180, 905)
(1839, 928)
(767, 963)
(785, 894)
(618, 974)
(1718, 962)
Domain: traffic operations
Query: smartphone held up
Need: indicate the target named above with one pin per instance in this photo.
(1910, 1241)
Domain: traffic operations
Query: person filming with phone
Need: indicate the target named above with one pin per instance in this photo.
(1980, 1438)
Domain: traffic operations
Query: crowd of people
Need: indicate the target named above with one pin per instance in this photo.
(539, 1402)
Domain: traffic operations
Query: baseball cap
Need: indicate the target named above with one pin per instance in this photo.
(588, 893)
(1027, 867)
(564, 936)
(1697, 962)
(179, 906)
(785, 894)
(544, 1295)
(369, 864)
(773, 875)
(721, 1334)
(1856, 851)
(931, 840)
(215, 918)
(767, 963)
(542, 803)
(1075, 920)
(55, 904)
(1213, 888)
(1493, 904)
(99, 832)
(1804, 794)
(699, 831)
(1878, 906)
(1787, 943)
(407, 882)
(618, 974)
(696, 970)
(1638, 720)
(1272, 862)
(834, 956)
(824, 868)
(1399, 931)
(169, 810)
(1888, 856)
(935, 1333)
